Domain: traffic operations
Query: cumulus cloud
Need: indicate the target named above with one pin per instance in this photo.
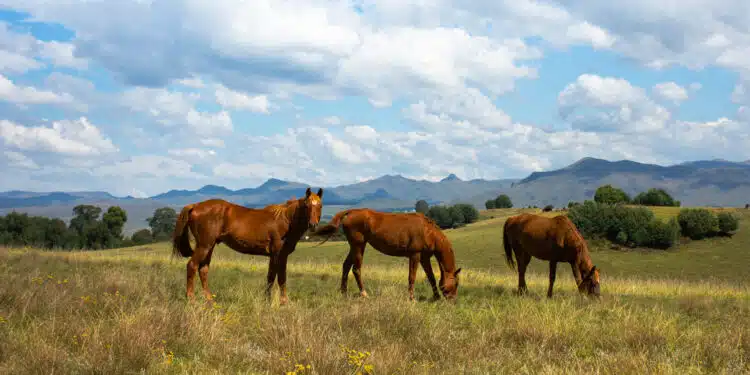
(19, 160)
(606, 104)
(670, 91)
(67, 137)
(231, 99)
(13, 93)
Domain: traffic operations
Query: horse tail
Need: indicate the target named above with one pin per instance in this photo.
(181, 236)
(332, 227)
(508, 247)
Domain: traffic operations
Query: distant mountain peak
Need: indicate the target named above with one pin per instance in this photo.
(272, 183)
(451, 177)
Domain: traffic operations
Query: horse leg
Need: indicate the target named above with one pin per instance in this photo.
(271, 273)
(413, 263)
(523, 259)
(348, 263)
(359, 254)
(576, 273)
(199, 255)
(281, 270)
(427, 267)
(203, 273)
(552, 272)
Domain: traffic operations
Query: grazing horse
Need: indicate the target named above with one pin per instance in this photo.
(272, 231)
(553, 239)
(410, 235)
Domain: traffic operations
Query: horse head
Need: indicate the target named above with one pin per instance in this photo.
(449, 285)
(312, 205)
(590, 283)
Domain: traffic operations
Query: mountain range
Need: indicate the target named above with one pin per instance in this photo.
(698, 183)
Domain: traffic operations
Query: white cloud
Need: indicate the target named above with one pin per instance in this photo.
(231, 99)
(69, 137)
(148, 166)
(212, 142)
(17, 159)
(192, 153)
(606, 104)
(670, 91)
(15, 63)
(10, 92)
(61, 54)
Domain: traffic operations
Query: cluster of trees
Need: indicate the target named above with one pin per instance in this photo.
(90, 228)
(453, 216)
(502, 201)
(638, 227)
(652, 197)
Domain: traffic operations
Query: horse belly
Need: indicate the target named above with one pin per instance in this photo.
(392, 247)
(255, 246)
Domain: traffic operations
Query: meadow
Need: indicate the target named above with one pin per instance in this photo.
(681, 311)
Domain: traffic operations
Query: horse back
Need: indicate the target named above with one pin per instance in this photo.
(542, 236)
(395, 233)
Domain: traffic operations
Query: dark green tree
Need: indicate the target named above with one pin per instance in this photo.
(489, 204)
(114, 219)
(422, 206)
(441, 215)
(655, 197)
(610, 195)
(162, 222)
(503, 201)
(141, 237)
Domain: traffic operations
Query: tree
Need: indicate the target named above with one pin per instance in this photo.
(490, 204)
(84, 215)
(655, 197)
(441, 215)
(468, 211)
(114, 219)
(422, 206)
(610, 195)
(162, 223)
(142, 237)
(503, 201)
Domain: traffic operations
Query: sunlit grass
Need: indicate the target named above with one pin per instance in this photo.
(684, 310)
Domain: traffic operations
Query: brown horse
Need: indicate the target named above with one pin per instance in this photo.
(410, 235)
(553, 239)
(272, 231)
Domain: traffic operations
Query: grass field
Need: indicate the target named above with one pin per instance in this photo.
(681, 311)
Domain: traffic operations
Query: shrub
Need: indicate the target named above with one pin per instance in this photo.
(697, 223)
(503, 201)
(490, 204)
(727, 222)
(610, 194)
(422, 206)
(655, 197)
(629, 226)
(548, 208)
(141, 237)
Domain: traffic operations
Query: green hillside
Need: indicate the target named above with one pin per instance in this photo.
(684, 310)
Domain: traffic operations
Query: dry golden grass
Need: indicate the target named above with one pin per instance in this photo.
(683, 311)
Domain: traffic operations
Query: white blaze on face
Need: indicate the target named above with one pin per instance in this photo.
(315, 201)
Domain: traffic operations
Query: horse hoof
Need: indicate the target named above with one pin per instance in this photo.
(363, 294)
(283, 301)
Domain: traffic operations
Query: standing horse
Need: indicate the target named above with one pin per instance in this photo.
(553, 239)
(272, 231)
(410, 235)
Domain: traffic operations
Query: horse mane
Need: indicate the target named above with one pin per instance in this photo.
(573, 234)
(283, 209)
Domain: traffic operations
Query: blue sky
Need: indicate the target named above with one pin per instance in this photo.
(137, 97)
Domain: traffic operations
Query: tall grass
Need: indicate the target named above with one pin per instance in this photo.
(682, 311)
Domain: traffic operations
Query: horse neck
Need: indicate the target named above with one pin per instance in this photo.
(583, 261)
(446, 258)
(294, 216)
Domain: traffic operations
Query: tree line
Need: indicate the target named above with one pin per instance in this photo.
(90, 228)
(446, 217)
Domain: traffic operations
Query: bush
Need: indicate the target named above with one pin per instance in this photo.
(611, 195)
(663, 235)
(728, 223)
(628, 226)
(489, 204)
(503, 201)
(697, 223)
(548, 208)
(453, 216)
(656, 197)
(141, 237)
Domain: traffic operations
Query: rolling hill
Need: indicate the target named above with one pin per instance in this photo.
(697, 183)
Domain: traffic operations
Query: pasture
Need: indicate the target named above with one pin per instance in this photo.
(681, 311)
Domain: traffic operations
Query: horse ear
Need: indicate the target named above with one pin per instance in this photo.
(307, 192)
(591, 272)
(457, 271)
(320, 193)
